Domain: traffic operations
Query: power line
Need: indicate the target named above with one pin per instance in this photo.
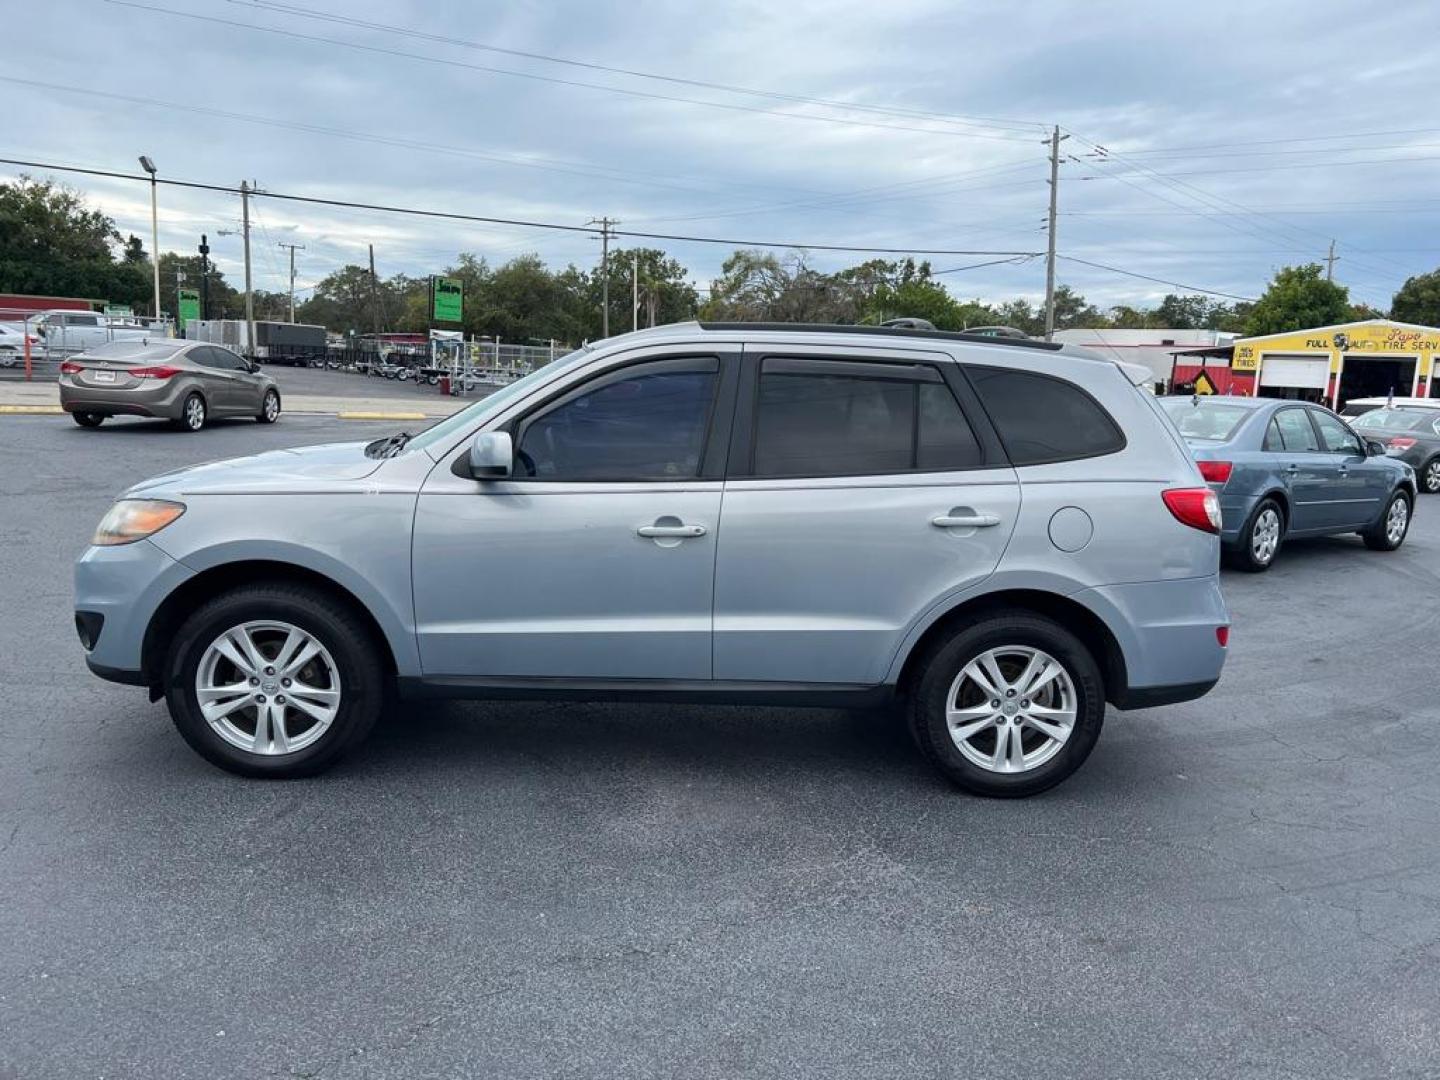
(516, 222)
(444, 62)
(1271, 142)
(1017, 260)
(1311, 165)
(1161, 281)
(345, 20)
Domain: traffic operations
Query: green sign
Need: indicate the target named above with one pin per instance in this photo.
(118, 309)
(189, 304)
(447, 299)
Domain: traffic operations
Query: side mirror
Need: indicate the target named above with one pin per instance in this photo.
(252, 367)
(491, 455)
(1374, 448)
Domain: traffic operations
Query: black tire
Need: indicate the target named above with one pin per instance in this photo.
(1377, 537)
(267, 415)
(88, 419)
(356, 653)
(1244, 556)
(1429, 474)
(194, 414)
(943, 663)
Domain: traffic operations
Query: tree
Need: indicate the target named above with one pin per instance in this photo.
(1020, 315)
(1297, 298)
(52, 244)
(183, 272)
(666, 295)
(1071, 311)
(1418, 300)
(756, 286)
(344, 301)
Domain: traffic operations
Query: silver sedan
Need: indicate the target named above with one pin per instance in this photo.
(187, 383)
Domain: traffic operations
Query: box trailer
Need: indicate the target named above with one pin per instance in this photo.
(298, 344)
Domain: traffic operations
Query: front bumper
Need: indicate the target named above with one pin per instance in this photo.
(123, 585)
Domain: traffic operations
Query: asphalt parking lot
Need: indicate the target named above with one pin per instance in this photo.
(1243, 886)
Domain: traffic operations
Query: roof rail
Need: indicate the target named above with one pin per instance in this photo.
(883, 331)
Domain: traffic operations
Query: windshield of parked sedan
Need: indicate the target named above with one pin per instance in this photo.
(1205, 419)
(1396, 419)
(492, 402)
(134, 350)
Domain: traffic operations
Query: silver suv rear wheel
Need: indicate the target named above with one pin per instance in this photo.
(1008, 706)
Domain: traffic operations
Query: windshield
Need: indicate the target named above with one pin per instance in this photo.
(491, 403)
(1205, 419)
(133, 350)
(1396, 419)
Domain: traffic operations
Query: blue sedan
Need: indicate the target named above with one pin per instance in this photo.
(1288, 468)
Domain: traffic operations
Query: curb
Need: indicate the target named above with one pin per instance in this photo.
(382, 416)
(31, 410)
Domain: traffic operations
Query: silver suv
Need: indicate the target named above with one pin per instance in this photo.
(1001, 534)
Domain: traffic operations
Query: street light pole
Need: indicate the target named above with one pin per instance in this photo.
(149, 167)
(245, 190)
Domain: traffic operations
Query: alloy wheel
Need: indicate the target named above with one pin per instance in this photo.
(1011, 709)
(195, 413)
(268, 687)
(1432, 477)
(1397, 520)
(1265, 536)
(272, 406)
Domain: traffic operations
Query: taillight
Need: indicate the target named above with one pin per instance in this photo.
(1196, 507)
(1215, 472)
(1222, 635)
(1401, 442)
(154, 372)
(69, 367)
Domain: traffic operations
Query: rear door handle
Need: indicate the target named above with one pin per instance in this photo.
(653, 531)
(1292, 469)
(965, 521)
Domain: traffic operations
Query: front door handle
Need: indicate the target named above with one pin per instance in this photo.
(652, 531)
(964, 521)
(1292, 469)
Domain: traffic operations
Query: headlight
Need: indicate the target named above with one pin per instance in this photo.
(134, 519)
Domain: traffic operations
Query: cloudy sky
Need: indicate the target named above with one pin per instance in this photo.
(1237, 137)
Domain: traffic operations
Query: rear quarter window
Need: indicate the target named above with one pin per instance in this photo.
(1042, 419)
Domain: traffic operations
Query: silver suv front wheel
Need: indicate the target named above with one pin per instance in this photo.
(274, 679)
(1008, 706)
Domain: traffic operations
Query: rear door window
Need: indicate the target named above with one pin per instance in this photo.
(1296, 431)
(1043, 419)
(818, 418)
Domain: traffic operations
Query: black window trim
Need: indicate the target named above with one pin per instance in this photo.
(899, 368)
(713, 455)
(965, 370)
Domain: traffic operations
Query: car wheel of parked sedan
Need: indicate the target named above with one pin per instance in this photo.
(1388, 533)
(1430, 476)
(1008, 707)
(88, 419)
(274, 681)
(1259, 539)
(192, 414)
(270, 410)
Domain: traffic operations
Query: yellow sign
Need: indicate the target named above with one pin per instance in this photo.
(1203, 385)
(1374, 338)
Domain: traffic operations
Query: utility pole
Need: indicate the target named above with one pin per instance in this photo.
(293, 248)
(374, 298)
(1330, 261)
(245, 190)
(606, 224)
(1055, 138)
(635, 292)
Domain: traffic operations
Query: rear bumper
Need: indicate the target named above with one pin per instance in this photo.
(162, 401)
(1166, 631)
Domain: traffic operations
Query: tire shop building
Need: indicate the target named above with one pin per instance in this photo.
(1332, 364)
